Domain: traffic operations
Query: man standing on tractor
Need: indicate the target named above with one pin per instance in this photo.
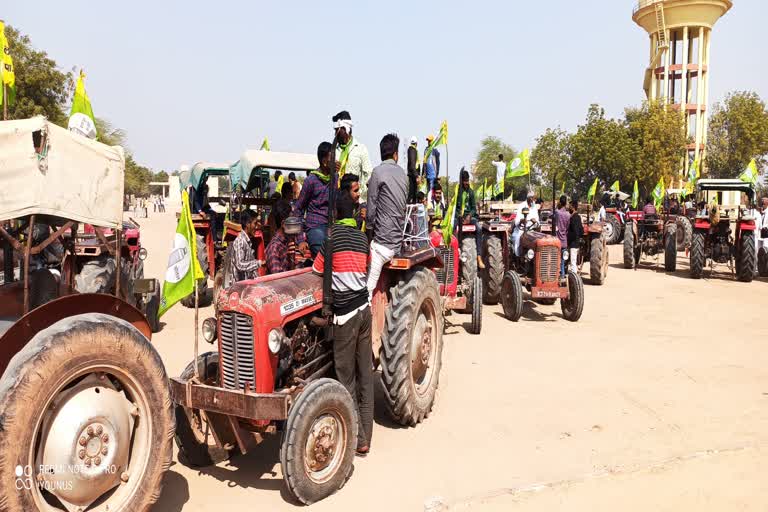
(532, 218)
(295, 185)
(351, 155)
(281, 251)
(431, 164)
(387, 194)
(273, 184)
(466, 213)
(312, 205)
(244, 264)
(561, 222)
(352, 351)
(501, 170)
(413, 169)
(575, 234)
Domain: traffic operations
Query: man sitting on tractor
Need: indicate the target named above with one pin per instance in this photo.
(312, 205)
(244, 264)
(466, 213)
(387, 195)
(281, 251)
(650, 207)
(202, 207)
(352, 351)
(532, 218)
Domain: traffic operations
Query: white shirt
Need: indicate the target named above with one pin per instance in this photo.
(601, 214)
(358, 163)
(501, 170)
(533, 213)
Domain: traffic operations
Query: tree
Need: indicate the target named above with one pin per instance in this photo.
(41, 88)
(551, 156)
(490, 149)
(601, 148)
(659, 132)
(738, 132)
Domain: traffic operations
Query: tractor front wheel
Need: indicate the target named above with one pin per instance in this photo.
(629, 246)
(477, 306)
(494, 270)
(670, 248)
(512, 296)
(762, 262)
(746, 257)
(573, 306)
(684, 232)
(698, 257)
(412, 346)
(598, 260)
(469, 265)
(319, 441)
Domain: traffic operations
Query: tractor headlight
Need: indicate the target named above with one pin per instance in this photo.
(209, 330)
(530, 254)
(275, 340)
(143, 254)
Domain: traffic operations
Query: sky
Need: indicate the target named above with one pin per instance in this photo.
(193, 81)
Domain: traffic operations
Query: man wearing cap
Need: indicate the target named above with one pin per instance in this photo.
(530, 220)
(351, 155)
(413, 169)
(431, 163)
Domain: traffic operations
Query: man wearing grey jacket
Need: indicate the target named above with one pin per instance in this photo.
(387, 194)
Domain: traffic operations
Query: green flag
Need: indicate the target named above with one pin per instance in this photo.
(183, 266)
(693, 172)
(81, 119)
(480, 193)
(447, 224)
(265, 144)
(520, 166)
(487, 191)
(750, 174)
(635, 196)
(658, 192)
(498, 190)
(591, 192)
(615, 187)
(442, 135)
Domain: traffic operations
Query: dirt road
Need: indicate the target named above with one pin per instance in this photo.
(656, 400)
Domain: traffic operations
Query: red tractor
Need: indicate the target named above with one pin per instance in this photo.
(273, 368)
(496, 229)
(726, 234)
(650, 235)
(538, 270)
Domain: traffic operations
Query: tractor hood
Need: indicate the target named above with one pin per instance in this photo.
(275, 299)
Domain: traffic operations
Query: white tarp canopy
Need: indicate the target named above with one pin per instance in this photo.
(72, 177)
(253, 159)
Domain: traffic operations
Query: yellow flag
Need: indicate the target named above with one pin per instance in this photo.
(6, 68)
(442, 135)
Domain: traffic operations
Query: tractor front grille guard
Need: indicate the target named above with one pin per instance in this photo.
(549, 264)
(237, 359)
(446, 254)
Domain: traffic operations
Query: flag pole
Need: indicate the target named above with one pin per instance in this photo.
(5, 103)
(197, 373)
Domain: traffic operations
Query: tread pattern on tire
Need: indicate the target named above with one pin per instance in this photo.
(513, 306)
(469, 267)
(684, 227)
(406, 296)
(629, 246)
(596, 263)
(614, 222)
(477, 306)
(494, 270)
(670, 248)
(698, 257)
(576, 299)
(747, 257)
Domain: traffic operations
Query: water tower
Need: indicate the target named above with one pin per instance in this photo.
(678, 73)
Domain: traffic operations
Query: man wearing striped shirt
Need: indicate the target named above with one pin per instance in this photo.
(352, 350)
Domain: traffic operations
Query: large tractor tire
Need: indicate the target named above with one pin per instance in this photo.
(88, 392)
(512, 296)
(629, 246)
(412, 346)
(204, 298)
(698, 257)
(612, 230)
(573, 306)
(762, 262)
(494, 270)
(197, 447)
(469, 266)
(746, 256)
(477, 307)
(684, 232)
(670, 248)
(318, 446)
(598, 260)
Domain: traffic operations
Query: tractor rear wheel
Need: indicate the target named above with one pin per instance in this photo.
(412, 346)
(477, 306)
(598, 264)
(512, 296)
(746, 257)
(670, 248)
(88, 392)
(629, 246)
(762, 262)
(698, 258)
(684, 232)
(194, 437)
(494, 270)
(203, 296)
(573, 306)
(612, 230)
(318, 446)
(469, 266)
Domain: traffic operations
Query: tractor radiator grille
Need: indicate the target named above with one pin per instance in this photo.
(237, 364)
(447, 255)
(549, 264)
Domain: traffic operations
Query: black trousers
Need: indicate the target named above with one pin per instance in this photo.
(412, 189)
(478, 234)
(353, 358)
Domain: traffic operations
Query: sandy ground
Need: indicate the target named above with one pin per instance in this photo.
(656, 400)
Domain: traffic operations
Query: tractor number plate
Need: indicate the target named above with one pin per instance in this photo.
(538, 293)
(295, 305)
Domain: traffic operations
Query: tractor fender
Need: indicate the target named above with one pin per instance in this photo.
(17, 337)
